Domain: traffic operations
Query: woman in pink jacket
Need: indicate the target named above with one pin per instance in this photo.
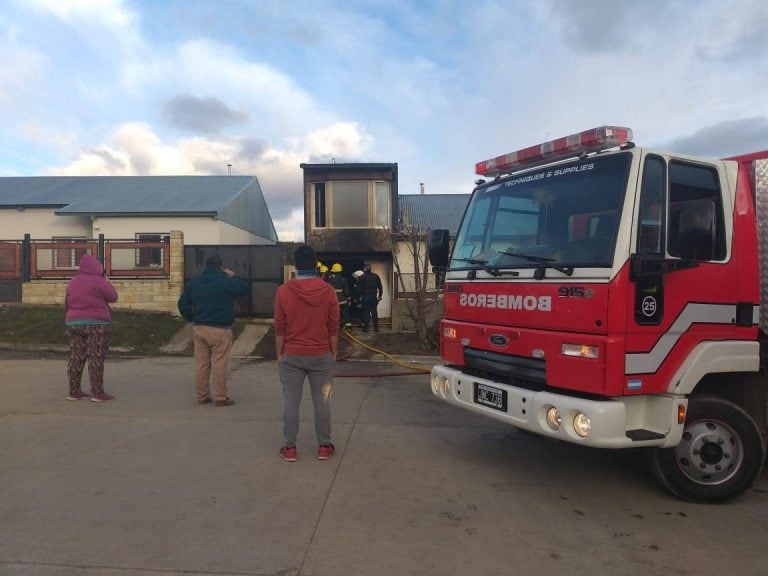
(88, 326)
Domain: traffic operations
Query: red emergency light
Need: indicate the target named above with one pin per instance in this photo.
(588, 141)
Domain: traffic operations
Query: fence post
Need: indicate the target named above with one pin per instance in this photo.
(100, 254)
(176, 259)
(26, 249)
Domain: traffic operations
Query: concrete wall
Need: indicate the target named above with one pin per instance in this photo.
(140, 294)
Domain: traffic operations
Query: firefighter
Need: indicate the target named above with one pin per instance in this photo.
(323, 270)
(371, 292)
(341, 287)
(355, 309)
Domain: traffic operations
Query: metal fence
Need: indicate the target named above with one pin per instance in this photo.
(30, 259)
(10, 259)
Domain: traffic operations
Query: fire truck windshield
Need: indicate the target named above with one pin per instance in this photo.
(560, 216)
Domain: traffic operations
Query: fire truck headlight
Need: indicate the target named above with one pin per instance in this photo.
(449, 332)
(579, 351)
(582, 425)
(446, 387)
(553, 418)
(435, 384)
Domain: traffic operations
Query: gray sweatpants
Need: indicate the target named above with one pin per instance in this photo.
(319, 370)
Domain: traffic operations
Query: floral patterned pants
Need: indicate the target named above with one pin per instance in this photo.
(89, 343)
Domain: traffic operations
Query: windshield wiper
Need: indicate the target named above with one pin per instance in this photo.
(472, 261)
(567, 270)
(492, 270)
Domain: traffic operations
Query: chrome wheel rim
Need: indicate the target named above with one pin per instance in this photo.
(710, 452)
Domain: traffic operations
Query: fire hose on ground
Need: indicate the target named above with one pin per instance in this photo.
(412, 369)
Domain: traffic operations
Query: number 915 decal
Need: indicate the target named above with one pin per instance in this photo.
(575, 292)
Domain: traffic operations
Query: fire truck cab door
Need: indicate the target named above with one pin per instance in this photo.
(680, 236)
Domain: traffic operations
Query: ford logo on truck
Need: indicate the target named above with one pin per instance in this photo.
(507, 302)
(498, 340)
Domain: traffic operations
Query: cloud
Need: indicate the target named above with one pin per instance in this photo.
(724, 139)
(61, 140)
(291, 228)
(606, 25)
(206, 115)
(256, 94)
(343, 141)
(21, 66)
(135, 149)
(738, 36)
(108, 13)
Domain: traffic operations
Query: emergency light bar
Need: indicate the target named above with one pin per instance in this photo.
(588, 141)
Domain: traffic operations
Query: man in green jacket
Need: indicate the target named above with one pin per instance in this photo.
(208, 301)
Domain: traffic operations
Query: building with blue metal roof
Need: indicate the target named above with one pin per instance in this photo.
(207, 209)
(425, 212)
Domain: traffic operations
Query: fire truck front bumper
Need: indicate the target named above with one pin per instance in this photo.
(615, 422)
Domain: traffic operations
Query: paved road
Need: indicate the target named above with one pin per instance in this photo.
(154, 485)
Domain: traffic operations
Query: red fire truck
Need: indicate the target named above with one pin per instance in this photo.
(609, 295)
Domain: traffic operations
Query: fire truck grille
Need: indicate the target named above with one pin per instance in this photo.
(527, 373)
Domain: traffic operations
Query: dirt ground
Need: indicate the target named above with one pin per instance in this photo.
(394, 343)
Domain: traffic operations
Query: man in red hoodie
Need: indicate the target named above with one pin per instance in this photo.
(306, 339)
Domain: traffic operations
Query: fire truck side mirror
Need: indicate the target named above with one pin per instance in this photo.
(437, 248)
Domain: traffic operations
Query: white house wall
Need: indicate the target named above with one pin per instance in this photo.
(196, 229)
(405, 257)
(41, 224)
(44, 224)
(229, 234)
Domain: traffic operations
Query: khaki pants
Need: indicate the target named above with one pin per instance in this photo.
(212, 346)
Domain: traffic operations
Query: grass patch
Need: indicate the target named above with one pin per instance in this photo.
(143, 332)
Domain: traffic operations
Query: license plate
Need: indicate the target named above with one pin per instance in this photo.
(489, 396)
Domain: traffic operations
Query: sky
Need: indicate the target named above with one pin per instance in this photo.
(162, 87)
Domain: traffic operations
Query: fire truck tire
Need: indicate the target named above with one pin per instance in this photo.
(719, 457)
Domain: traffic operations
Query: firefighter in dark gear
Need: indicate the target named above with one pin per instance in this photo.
(355, 306)
(341, 287)
(371, 293)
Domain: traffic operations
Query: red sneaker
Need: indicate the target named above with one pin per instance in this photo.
(79, 395)
(101, 397)
(325, 451)
(288, 453)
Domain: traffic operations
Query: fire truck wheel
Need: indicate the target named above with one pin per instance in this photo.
(719, 457)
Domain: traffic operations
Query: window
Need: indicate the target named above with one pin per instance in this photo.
(649, 287)
(382, 204)
(319, 199)
(515, 224)
(351, 204)
(568, 215)
(68, 257)
(651, 200)
(695, 213)
(146, 257)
